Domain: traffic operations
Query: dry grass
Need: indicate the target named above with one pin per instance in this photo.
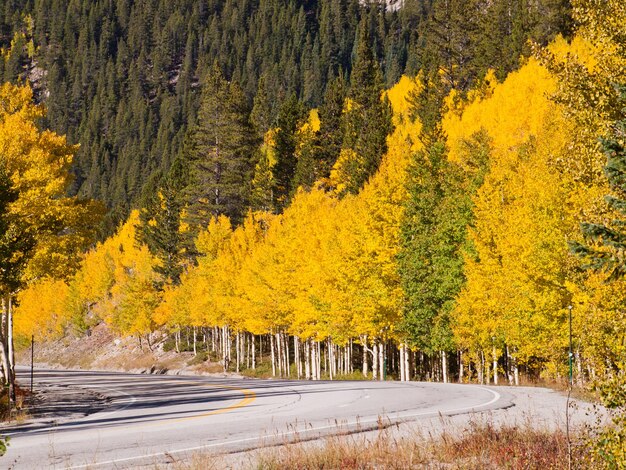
(480, 446)
(17, 413)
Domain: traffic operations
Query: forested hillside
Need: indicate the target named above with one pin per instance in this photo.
(123, 78)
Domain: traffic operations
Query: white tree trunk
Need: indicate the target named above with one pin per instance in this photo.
(273, 355)
(365, 370)
(286, 348)
(11, 352)
(375, 360)
(253, 346)
(444, 367)
(319, 360)
(307, 359)
(381, 361)
(296, 357)
(495, 365)
(407, 363)
(481, 368)
(279, 354)
(238, 346)
(313, 361)
(331, 357)
(195, 351)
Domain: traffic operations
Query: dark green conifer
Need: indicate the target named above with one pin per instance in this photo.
(160, 222)
(224, 148)
(367, 123)
(290, 118)
(434, 238)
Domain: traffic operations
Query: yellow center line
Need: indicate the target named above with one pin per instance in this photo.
(249, 397)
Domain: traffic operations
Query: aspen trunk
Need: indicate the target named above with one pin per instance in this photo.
(307, 359)
(365, 360)
(11, 361)
(338, 352)
(331, 359)
(195, 351)
(349, 357)
(495, 365)
(237, 358)
(4, 347)
(461, 366)
(224, 349)
(272, 354)
(444, 367)
(247, 337)
(381, 361)
(286, 348)
(229, 344)
(509, 365)
(375, 360)
(314, 361)
(296, 357)
(242, 350)
(253, 352)
(279, 367)
(481, 367)
(319, 360)
(407, 363)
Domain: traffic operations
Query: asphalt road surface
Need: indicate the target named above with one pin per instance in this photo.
(149, 419)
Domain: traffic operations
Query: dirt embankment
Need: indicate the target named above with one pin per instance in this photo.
(102, 350)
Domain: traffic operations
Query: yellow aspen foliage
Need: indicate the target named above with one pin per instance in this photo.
(184, 305)
(42, 310)
(38, 164)
(324, 268)
(134, 294)
(525, 212)
(116, 283)
(398, 97)
(216, 299)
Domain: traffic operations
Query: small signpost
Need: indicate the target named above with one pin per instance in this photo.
(32, 362)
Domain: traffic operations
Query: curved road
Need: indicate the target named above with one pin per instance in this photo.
(152, 419)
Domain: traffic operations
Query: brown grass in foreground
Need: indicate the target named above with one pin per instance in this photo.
(480, 446)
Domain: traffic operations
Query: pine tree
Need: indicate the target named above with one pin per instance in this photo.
(224, 149)
(290, 118)
(367, 123)
(160, 223)
(434, 239)
(261, 115)
(330, 136)
(262, 197)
